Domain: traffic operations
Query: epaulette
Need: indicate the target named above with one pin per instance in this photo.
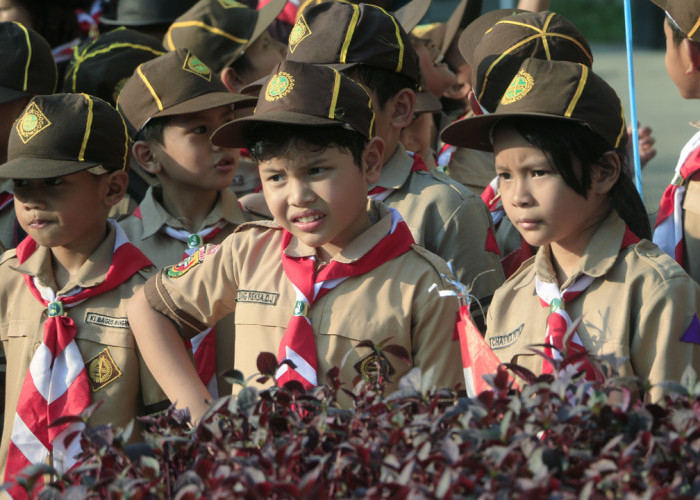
(8, 255)
(264, 224)
(148, 271)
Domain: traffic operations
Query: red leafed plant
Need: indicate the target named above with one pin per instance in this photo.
(559, 437)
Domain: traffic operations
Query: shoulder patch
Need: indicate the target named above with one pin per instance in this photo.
(260, 224)
(190, 262)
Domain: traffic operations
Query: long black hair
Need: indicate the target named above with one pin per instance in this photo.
(564, 140)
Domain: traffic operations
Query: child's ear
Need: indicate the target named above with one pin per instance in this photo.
(372, 159)
(692, 52)
(116, 184)
(231, 80)
(404, 102)
(145, 157)
(605, 173)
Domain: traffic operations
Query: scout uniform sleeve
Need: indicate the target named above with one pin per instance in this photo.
(435, 345)
(197, 292)
(667, 316)
(463, 240)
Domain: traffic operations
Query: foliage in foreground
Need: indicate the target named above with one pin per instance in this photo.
(558, 438)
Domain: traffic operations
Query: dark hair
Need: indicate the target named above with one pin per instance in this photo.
(677, 33)
(153, 130)
(270, 140)
(564, 140)
(385, 83)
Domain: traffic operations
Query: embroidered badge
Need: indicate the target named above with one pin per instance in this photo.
(506, 340)
(257, 297)
(196, 67)
(193, 260)
(102, 370)
(300, 31)
(103, 320)
(369, 366)
(31, 123)
(279, 86)
(518, 88)
(230, 4)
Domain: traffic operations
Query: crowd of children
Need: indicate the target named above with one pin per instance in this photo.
(382, 163)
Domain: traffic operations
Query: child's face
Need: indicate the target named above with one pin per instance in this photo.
(264, 54)
(188, 158)
(68, 211)
(10, 10)
(541, 205)
(676, 64)
(318, 196)
(437, 74)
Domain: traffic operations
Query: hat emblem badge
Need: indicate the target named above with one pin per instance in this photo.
(197, 67)
(279, 86)
(300, 31)
(31, 123)
(520, 86)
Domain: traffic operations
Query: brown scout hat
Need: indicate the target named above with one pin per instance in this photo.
(686, 15)
(560, 90)
(102, 66)
(472, 34)
(442, 34)
(27, 66)
(220, 30)
(345, 35)
(172, 84)
(304, 94)
(62, 134)
(136, 13)
(543, 35)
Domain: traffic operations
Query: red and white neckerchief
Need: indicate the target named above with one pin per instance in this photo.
(56, 384)
(559, 321)
(289, 12)
(668, 231)
(203, 344)
(298, 343)
(381, 193)
(6, 199)
(89, 21)
(447, 150)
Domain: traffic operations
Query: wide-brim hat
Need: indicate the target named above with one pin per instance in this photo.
(556, 90)
(62, 134)
(308, 95)
(135, 13)
(475, 31)
(686, 15)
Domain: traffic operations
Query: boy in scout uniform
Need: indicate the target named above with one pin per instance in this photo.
(173, 104)
(27, 69)
(334, 269)
(64, 288)
(444, 217)
(677, 230)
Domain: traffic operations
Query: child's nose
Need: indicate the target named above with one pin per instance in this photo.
(300, 193)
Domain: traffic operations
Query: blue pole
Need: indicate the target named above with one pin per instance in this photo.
(633, 98)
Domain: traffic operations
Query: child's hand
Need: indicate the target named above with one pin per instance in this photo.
(647, 151)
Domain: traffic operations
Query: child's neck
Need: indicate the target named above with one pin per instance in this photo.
(189, 204)
(66, 261)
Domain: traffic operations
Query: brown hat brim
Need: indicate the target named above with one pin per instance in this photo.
(9, 95)
(266, 16)
(474, 132)
(232, 134)
(203, 102)
(26, 167)
(426, 102)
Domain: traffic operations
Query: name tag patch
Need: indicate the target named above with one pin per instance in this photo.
(257, 297)
(102, 320)
(102, 370)
(506, 340)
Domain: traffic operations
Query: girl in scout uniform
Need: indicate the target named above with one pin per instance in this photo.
(558, 137)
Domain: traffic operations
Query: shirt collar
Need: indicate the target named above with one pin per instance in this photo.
(395, 172)
(155, 216)
(600, 255)
(379, 215)
(91, 273)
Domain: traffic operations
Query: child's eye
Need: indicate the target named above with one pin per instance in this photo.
(317, 170)
(504, 176)
(53, 181)
(539, 173)
(202, 129)
(20, 183)
(275, 178)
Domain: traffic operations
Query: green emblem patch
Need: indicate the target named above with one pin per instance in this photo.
(520, 86)
(301, 308)
(197, 67)
(55, 308)
(193, 260)
(300, 31)
(279, 86)
(194, 241)
(31, 123)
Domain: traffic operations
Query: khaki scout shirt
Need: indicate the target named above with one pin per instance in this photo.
(393, 303)
(7, 219)
(691, 227)
(638, 308)
(445, 218)
(118, 375)
(164, 250)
